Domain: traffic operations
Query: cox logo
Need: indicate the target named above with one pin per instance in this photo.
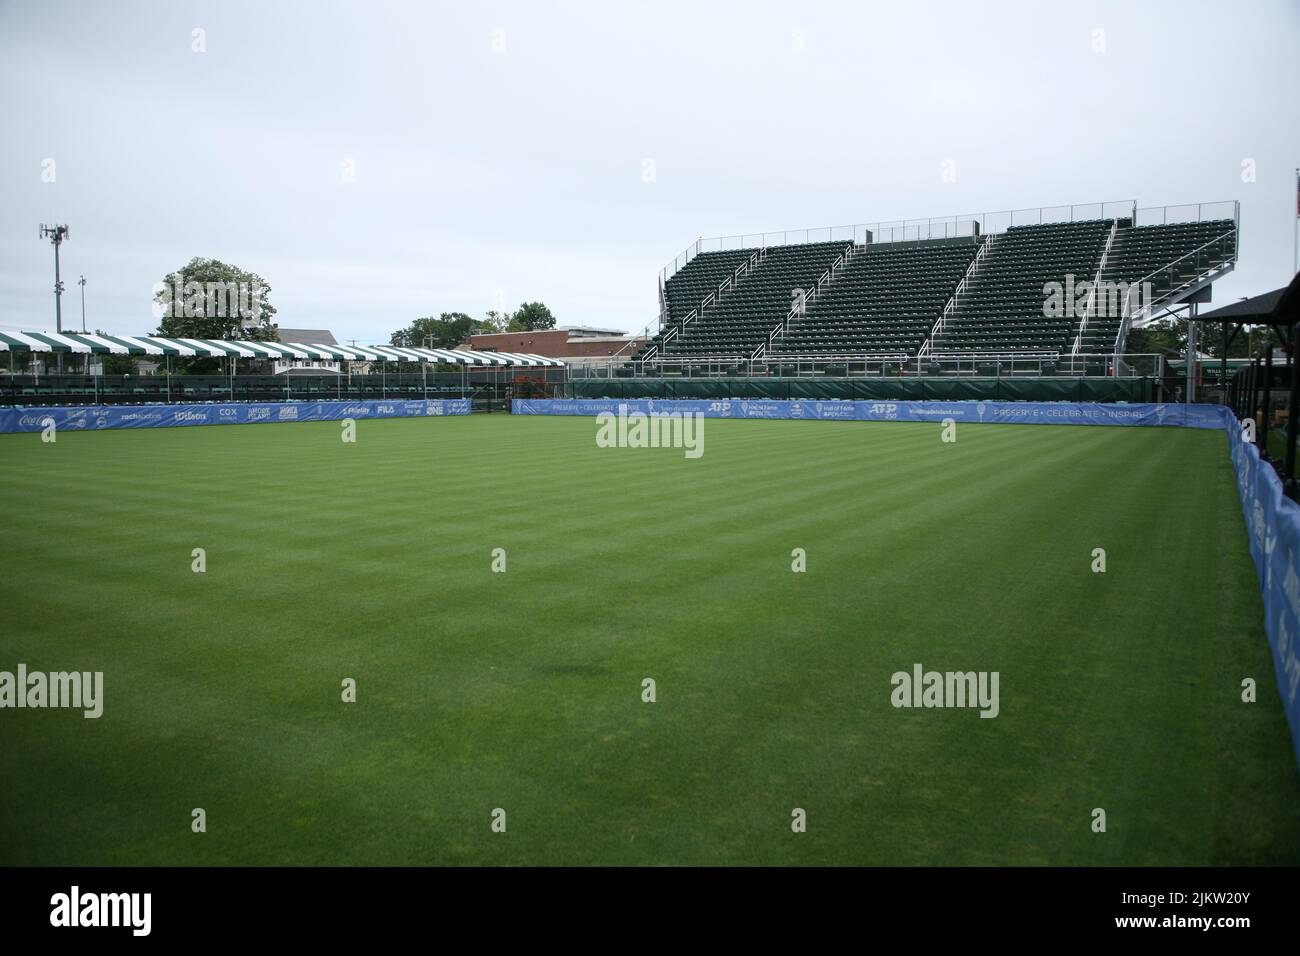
(228, 413)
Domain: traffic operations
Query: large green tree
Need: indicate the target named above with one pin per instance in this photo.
(531, 317)
(446, 331)
(211, 299)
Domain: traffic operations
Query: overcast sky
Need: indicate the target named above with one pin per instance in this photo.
(564, 152)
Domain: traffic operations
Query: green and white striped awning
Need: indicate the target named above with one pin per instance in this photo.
(153, 345)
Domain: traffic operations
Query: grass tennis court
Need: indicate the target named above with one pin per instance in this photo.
(478, 690)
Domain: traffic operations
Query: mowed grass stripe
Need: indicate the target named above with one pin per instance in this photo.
(522, 690)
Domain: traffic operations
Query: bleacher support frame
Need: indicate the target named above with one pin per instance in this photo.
(1177, 294)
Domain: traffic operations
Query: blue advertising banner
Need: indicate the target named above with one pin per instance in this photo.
(1272, 519)
(93, 418)
(1273, 526)
(1023, 413)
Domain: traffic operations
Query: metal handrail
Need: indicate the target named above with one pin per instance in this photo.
(726, 285)
(1126, 322)
(801, 307)
(1092, 293)
(633, 341)
(985, 244)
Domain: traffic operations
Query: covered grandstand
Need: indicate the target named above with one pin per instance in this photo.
(490, 379)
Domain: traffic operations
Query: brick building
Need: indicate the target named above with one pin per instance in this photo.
(568, 343)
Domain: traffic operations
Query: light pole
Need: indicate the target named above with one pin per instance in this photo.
(56, 234)
(82, 282)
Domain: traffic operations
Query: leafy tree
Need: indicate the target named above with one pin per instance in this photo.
(1167, 335)
(495, 322)
(532, 317)
(447, 331)
(210, 299)
(1170, 336)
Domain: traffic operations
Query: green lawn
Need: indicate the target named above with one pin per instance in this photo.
(522, 690)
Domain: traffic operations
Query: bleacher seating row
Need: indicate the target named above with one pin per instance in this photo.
(887, 299)
(742, 319)
(889, 295)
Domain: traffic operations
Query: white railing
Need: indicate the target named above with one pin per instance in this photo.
(800, 305)
(985, 244)
(911, 230)
(870, 364)
(645, 337)
(1092, 293)
(938, 227)
(726, 285)
(1130, 311)
(1189, 212)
